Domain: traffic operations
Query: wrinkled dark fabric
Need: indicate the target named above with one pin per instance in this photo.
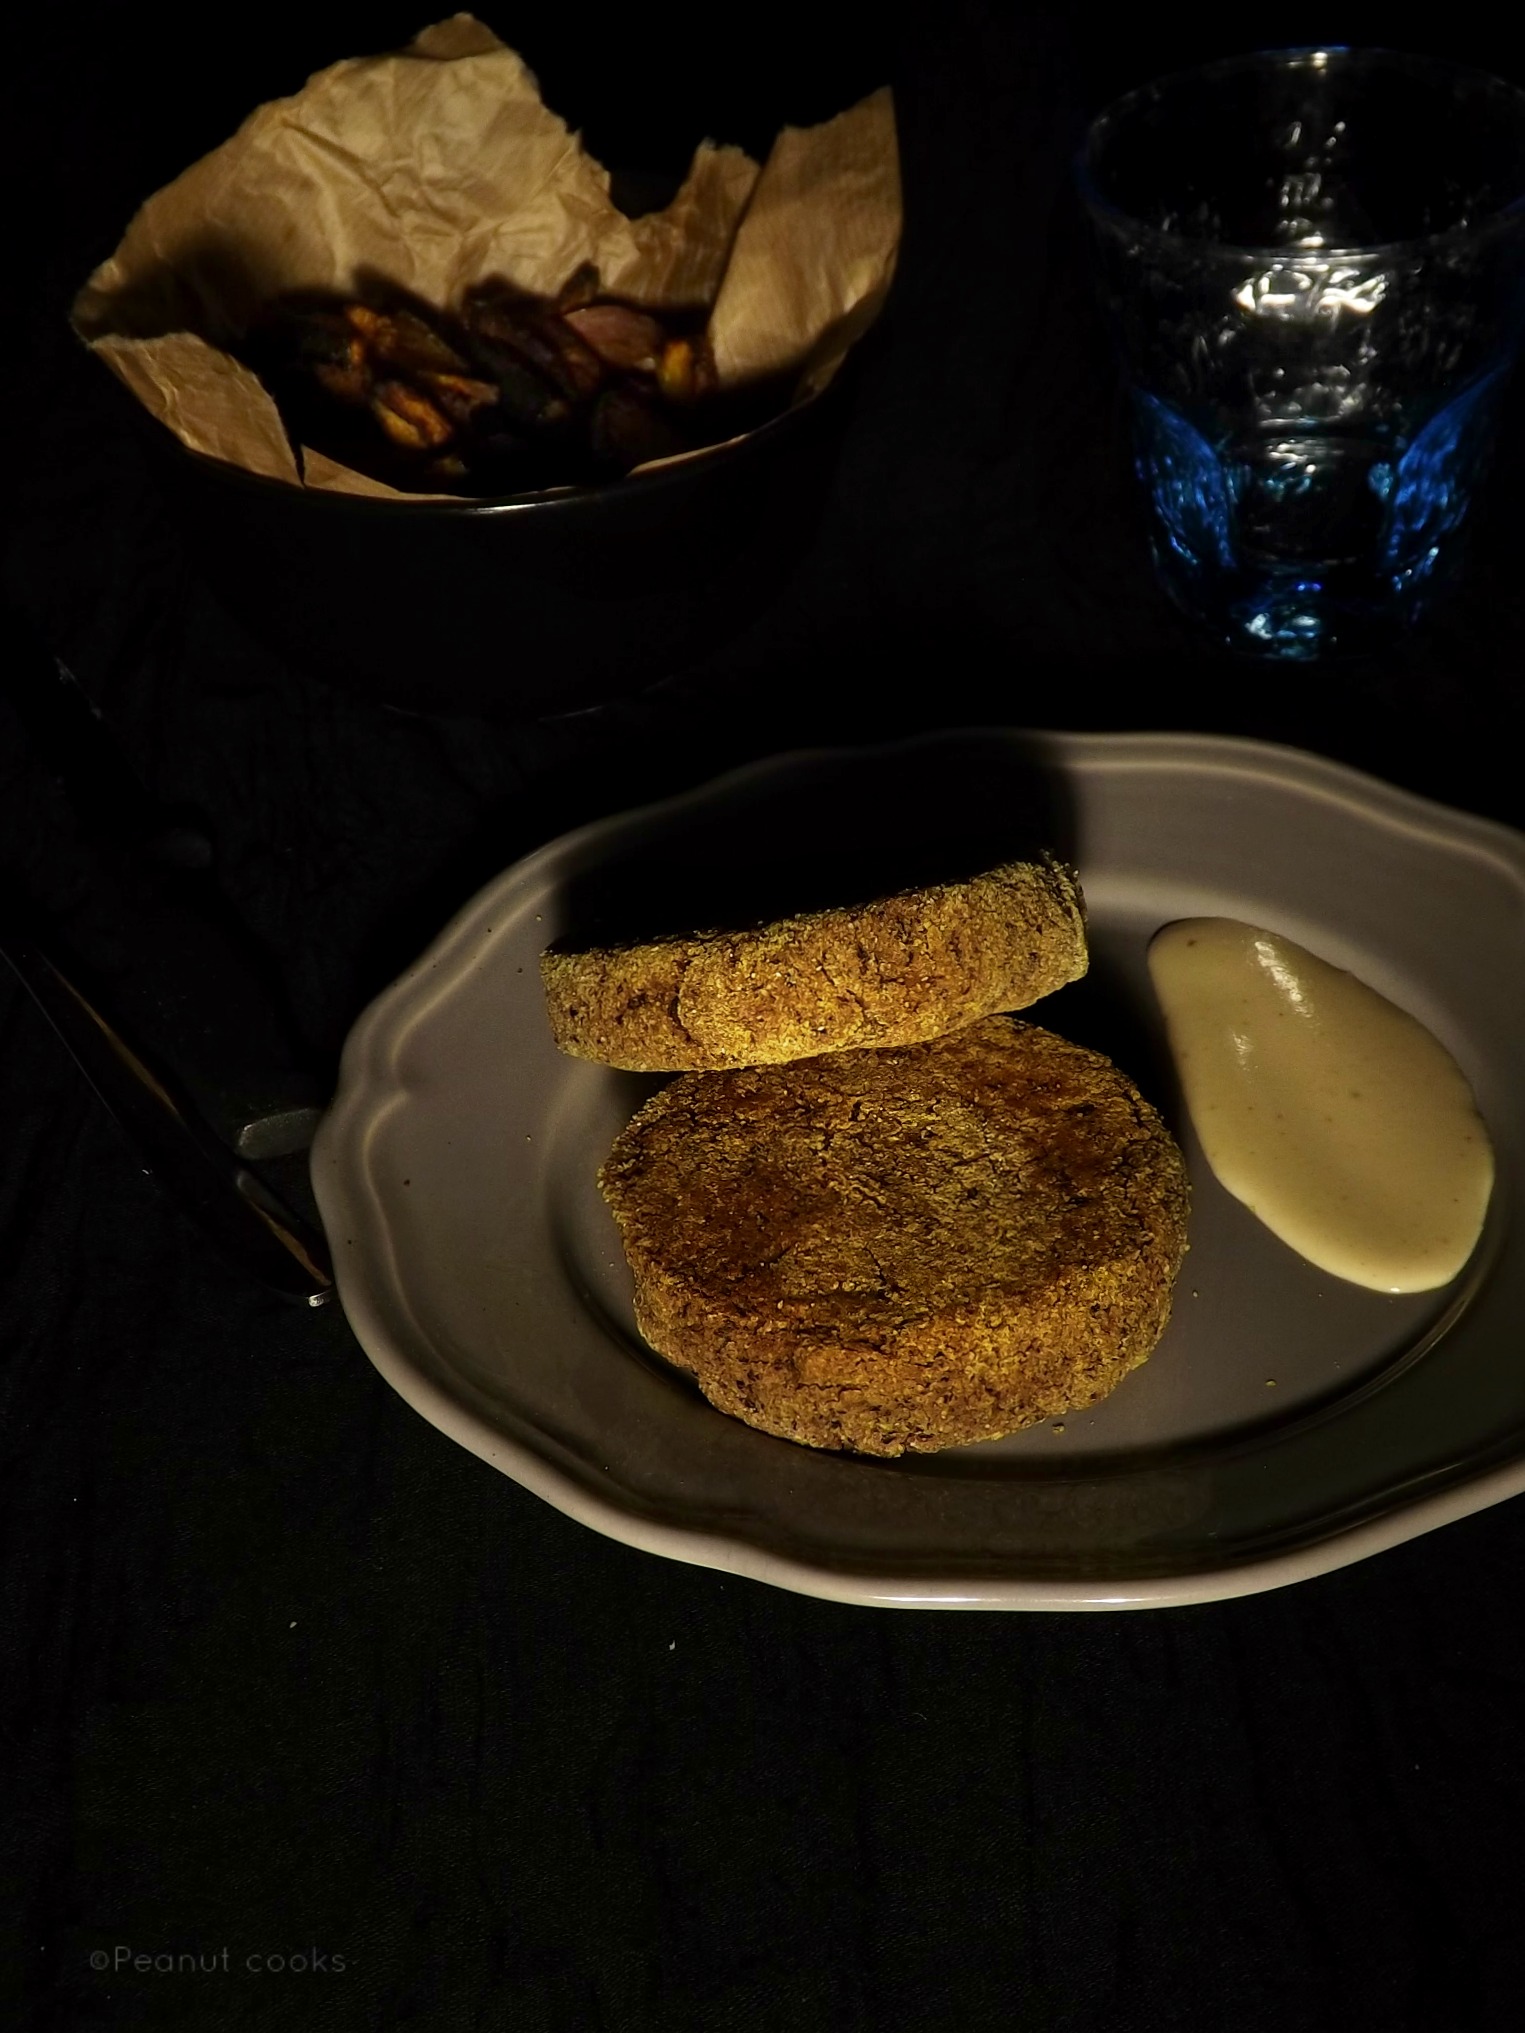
(284, 1673)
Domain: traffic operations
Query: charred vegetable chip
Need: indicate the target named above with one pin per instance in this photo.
(402, 340)
(459, 396)
(621, 336)
(541, 338)
(528, 401)
(408, 418)
(628, 428)
(347, 378)
(579, 289)
(685, 371)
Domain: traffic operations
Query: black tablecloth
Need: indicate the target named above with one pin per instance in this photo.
(295, 1687)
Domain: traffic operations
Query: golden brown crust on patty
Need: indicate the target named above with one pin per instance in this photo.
(906, 1249)
(894, 972)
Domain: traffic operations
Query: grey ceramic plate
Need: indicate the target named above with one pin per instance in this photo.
(1287, 1423)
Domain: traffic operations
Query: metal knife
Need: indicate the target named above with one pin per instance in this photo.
(223, 1194)
(197, 998)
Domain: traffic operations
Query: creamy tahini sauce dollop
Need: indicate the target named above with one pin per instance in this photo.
(1331, 1113)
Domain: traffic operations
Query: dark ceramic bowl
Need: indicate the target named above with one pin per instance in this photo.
(514, 607)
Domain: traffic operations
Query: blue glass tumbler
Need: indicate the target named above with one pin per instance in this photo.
(1314, 264)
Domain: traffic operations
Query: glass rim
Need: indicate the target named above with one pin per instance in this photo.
(1302, 56)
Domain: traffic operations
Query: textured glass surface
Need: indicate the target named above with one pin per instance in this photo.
(1314, 262)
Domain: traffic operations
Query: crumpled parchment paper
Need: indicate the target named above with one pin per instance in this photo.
(435, 167)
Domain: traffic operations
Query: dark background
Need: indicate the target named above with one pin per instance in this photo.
(281, 1668)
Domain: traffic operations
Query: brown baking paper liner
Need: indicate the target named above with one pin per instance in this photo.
(436, 167)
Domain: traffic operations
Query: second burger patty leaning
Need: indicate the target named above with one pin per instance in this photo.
(896, 971)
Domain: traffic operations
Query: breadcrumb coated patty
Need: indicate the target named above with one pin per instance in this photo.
(897, 971)
(903, 1249)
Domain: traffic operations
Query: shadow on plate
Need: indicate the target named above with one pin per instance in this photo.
(1106, 1011)
(830, 830)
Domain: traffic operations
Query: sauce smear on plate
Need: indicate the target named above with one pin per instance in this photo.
(1332, 1114)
